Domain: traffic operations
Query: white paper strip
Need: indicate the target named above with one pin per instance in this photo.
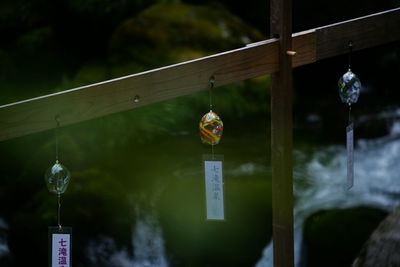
(214, 190)
(350, 155)
(60, 252)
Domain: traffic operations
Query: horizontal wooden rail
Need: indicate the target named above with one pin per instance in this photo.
(125, 93)
(369, 31)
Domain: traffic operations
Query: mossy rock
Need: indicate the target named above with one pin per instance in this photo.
(168, 33)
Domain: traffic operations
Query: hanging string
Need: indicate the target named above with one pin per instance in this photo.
(350, 148)
(57, 176)
(59, 212)
(350, 120)
(350, 52)
(57, 118)
(212, 80)
(349, 134)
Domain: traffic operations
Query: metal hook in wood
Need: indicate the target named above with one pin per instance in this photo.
(212, 81)
(57, 119)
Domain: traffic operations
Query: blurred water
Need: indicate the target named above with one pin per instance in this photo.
(148, 243)
(4, 250)
(148, 247)
(320, 182)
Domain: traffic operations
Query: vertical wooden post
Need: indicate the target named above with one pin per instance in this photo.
(282, 137)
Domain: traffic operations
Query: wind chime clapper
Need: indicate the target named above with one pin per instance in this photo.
(349, 90)
(57, 176)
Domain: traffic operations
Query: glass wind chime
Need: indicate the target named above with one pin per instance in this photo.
(349, 90)
(57, 178)
(211, 129)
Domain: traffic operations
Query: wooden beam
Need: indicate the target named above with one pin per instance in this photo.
(100, 99)
(282, 137)
(96, 100)
(148, 87)
(369, 31)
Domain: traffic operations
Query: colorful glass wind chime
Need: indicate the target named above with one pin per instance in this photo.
(349, 90)
(211, 129)
(57, 178)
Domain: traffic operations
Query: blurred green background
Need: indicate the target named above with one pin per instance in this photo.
(148, 160)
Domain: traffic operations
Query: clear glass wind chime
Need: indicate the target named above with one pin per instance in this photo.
(211, 129)
(349, 90)
(57, 178)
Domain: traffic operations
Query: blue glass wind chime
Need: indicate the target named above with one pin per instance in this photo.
(349, 90)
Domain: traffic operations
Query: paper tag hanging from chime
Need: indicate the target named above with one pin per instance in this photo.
(214, 186)
(60, 247)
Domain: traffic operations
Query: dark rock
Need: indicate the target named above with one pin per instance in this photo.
(383, 247)
(334, 237)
